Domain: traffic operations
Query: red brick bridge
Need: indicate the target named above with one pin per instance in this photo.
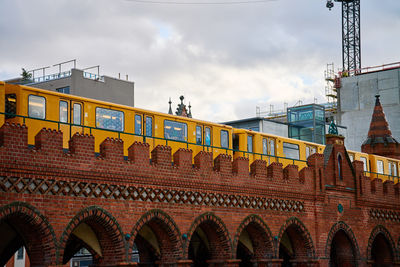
(201, 213)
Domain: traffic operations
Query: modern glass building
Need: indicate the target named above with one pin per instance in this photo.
(307, 123)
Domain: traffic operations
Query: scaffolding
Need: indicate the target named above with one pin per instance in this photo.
(332, 84)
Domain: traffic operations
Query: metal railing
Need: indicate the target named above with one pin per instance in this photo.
(50, 77)
(91, 130)
(382, 176)
(93, 76)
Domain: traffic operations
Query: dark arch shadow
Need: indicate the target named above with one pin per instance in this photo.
(208, 241)
(253, 241)
(96, 230)
(341, 246)
(294, 243)
(157, 238)
(381, 249)
(21, 224)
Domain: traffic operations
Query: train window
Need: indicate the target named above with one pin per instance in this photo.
(310, 150)
(249, 143)
(379, 164)
(37, 107)
(291, 150)
(351, 156)
(207, 136)
(271, 147)
(265, 146)
(149, 126)
(199, 135)
(63, 111)
(11, 106)
(109, 119)
(77, 114)
(175, 130)
(224, 139)
(138, 124)
(392, 168)
(364, 160)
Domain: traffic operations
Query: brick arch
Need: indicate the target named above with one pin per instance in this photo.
(35, 230)
(220, 235)
(107, 230)
(342, 226)
(301, 229)
(165, 229)
(262, 229)
(380, 229)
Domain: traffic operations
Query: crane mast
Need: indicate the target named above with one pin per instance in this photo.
(351, 41)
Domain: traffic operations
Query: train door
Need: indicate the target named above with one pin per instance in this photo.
(138, 127)
(149, 130)
(64, 121)
(76, 117)
(208, 139)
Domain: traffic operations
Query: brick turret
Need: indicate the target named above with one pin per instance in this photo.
(380, 140)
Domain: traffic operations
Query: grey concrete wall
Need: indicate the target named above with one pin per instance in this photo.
(274, 128)
(110, 89)
(357, 101)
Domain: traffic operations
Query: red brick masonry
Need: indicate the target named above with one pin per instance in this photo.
(326, 211)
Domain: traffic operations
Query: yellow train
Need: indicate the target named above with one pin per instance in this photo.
(39, 108)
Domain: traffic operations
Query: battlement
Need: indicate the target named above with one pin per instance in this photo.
(181, 168)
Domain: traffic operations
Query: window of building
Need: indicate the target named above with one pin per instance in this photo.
(207, 136)
(249, 143)
(224, 139)
(199, 135)
(340, 167)
(291, 150)
(63, 111)
(77, 114)
(379, 166)
(175, 130)
(37, 107)
(109, 119)
(64, 90)
(20, 253)
(138, 124)
(364, 160)
(149, 126)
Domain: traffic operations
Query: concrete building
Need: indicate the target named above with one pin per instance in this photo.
(356, 102)
(82, 83)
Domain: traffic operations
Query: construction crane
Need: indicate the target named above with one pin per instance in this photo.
(351, 42)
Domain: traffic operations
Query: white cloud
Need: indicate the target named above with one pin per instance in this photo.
(225, 59)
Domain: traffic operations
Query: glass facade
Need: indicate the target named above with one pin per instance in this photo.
(307, 123)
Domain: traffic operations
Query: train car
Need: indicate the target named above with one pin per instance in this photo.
(37, 108)
(272, 148)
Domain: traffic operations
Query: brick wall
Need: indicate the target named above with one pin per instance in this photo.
(45, 193)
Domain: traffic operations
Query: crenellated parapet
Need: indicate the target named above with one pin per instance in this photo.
(163, 167)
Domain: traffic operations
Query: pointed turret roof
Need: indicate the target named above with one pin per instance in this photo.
(379, 134)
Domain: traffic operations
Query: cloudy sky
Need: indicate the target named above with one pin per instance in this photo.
(225, 58)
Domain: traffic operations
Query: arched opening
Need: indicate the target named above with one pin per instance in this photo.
(254, 245)
(294, 249)
(209, 243)
(95, 237)
(342, 252)
(381, 252)
(340, 167)
(156, 244)
(23, 227)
